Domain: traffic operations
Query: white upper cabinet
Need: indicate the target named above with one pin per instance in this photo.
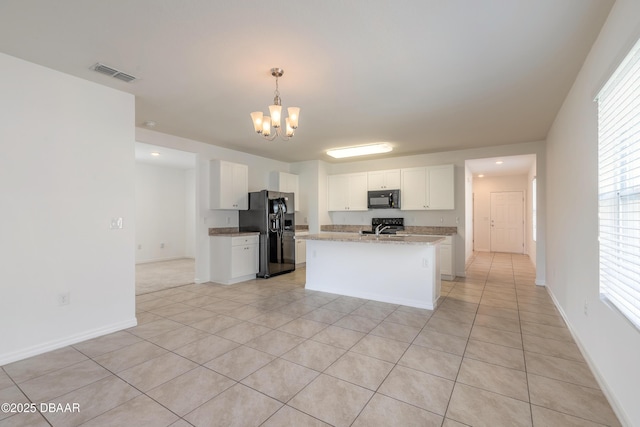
(384, 180)
(286, 183)
(428, 188)
(347, 192)
(229, 185)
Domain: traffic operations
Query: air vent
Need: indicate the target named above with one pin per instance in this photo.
(117, 74)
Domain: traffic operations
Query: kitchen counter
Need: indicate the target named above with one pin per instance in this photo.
(408, 229)
(395, 239)
(230, 232)
(388, 268)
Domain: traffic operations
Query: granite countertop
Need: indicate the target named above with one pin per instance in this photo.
(230, 232)
(408, 229)
(372, 238)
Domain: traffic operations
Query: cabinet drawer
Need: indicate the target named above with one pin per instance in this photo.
(244, 240)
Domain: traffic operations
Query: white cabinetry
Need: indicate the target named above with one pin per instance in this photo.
(428, 188)
(233, 258)
(447, 258)
(301, 248)
(347, 192)
(286, 183)
(383, 180)
(229, 185)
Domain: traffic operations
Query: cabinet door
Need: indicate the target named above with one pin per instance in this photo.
(440, 184)
(446, 264)
(414, 189)
(338, 193)
(301, 251)
(392, 179)
(229, 185)
(357, 185)
(293, 186)
(383, 180)
(244, 260)
(240, 180)
(375, 180)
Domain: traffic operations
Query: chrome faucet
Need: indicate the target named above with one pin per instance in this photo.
(380, 230)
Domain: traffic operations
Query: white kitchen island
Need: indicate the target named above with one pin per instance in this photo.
(389, 268)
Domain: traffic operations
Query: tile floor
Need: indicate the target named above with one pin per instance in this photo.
(268, 353)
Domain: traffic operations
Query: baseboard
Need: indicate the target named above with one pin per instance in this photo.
(151, 261)
(63, 342)
(541, 282)
(617, 409)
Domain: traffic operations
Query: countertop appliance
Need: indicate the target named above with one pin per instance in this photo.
(272, 214)
(385, 225)
(383, 199)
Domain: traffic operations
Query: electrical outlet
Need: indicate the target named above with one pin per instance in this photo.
(64, 298)
(116, 223)
(586, 308)
(139, 247)
(161, 245)
(425, 263)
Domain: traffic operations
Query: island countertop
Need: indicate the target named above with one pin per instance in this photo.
(372, 238)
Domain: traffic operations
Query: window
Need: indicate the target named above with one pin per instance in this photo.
(619, 187)
(534, 208)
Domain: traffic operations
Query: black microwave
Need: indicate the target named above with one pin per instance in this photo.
(383, 199)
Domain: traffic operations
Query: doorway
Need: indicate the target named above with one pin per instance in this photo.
(165, 218)
(507, 221)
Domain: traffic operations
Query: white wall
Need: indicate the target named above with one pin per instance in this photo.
(67, 168)
(482, 189)
(190, 213)
(612, 345)
(468, 214)
(531, 243)
(259, 170)
(455, 217)
(165, 200)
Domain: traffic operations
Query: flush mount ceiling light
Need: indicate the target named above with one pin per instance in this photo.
(155, 154)
(262, 124)
(499, 162)
(360, 150)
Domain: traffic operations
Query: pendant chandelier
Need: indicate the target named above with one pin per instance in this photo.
(263, 124)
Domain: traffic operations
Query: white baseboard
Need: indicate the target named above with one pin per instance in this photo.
(35, 350)
(541, 282)
(150, 261)
(617, 409)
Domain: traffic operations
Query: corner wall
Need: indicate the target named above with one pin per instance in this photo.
(67, 168)
(610, 343)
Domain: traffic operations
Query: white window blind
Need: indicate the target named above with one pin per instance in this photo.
(619, 187)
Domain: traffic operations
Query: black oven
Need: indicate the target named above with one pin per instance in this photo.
(383, 199)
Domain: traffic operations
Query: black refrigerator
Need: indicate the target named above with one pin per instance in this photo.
(272, 214)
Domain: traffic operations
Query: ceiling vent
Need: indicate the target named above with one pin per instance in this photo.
(116, 74)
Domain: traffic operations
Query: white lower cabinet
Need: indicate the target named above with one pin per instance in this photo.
(301, 248)
(447, 258)
(234, 258)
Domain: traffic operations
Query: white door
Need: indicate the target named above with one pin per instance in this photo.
(507, 222)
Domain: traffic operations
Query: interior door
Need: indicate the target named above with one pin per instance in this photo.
(507, 222)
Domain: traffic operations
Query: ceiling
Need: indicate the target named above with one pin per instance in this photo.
(424, 75)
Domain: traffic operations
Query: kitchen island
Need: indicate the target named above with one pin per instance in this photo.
(388, 268)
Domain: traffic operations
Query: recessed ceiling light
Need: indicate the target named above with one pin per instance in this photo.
(360, 150)
(155, 154)
(481, 176)
(499, 162)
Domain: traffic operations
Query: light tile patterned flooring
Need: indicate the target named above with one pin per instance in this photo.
(268, 353)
